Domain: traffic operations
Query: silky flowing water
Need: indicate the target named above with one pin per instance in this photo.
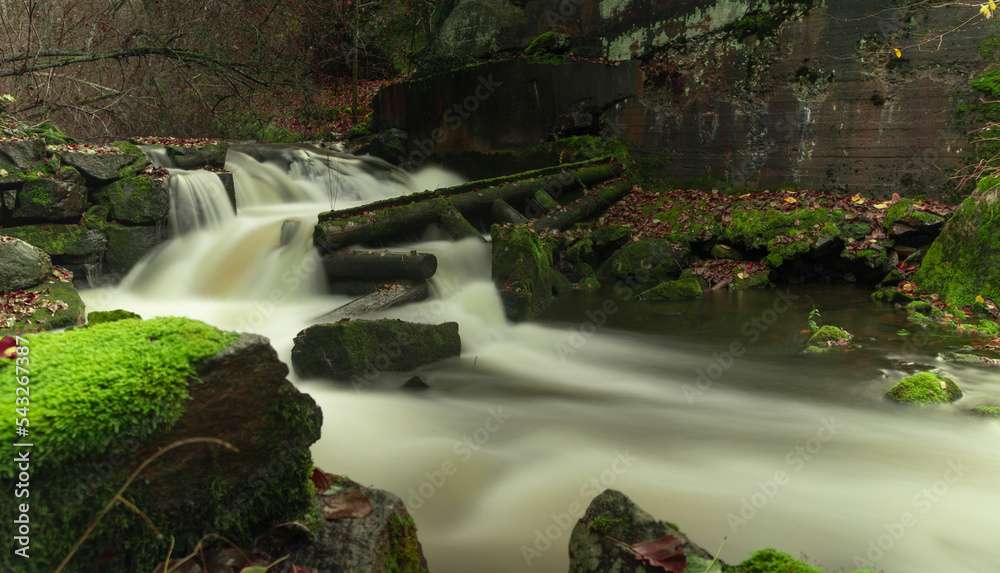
(703, 412)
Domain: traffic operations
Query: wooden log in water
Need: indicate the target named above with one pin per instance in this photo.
(585, 207)
(390, 295)
(502, 212)
(340, 265)
(457, 226)
(383, 223)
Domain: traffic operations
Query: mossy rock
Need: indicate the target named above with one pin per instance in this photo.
(139, 159)
(127, 245)
(560, 284)
(548, 43)
(674, 290)
(74, 242)
(646, 261)
(964, 260)
(921, 306)
(903, 217)
(752, 281)
(828, 337)
(98, 168)
(23, 154)
(102, 316)
(136, 200)
(211, 155)
(361, 350)
(925, 388)
(726, 252)
(611, 236)
(891, 295)
(589, 283)
(46, 199)
(773, 561)
(987, 411)
(53, 290)
(521, 271)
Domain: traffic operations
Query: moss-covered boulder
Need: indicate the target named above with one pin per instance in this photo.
(127, 245)
(987, 411)
(102, 316)
(22, 265)
(924, 388)
(613, 515)
(139, 159)
(521, 268)
(827, 338)
(192, 157)
(54, 303)
(964, 261)
(755, 280)
(646, 261)
(64, 243)
(674, 290)
(361, 350)
(47, 199)
(891, 295)
(904, 219)
(609, 238)
(22, 153)
(136, 200)
(773, 561)
(156, 382)
(548, 43)
(384, 540)
(98, 168)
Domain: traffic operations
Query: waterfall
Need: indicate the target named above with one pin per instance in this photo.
(592, 385)
(198, 202)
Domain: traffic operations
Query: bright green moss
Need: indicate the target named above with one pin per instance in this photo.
(88, 383)
(102, 316)
(404, 548)
(673, 290)
(990, 327)
(925, 388)
(828, 336)
(987, 411)
(773, 561)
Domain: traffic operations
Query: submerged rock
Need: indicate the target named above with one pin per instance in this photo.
(925, 388)
(415, 383)
(673, 290)
(359, 349)
(987, 411)
(613, 515)
(521, 271)
(827, 338)
(646, 261)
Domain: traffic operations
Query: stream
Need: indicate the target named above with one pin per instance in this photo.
(703, 412)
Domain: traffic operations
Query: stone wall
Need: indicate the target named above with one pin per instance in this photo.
(809, 94)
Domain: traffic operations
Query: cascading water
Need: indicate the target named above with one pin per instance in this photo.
(701, 411)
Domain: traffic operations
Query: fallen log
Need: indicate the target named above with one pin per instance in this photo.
(383, 223)
(378, 265)
(457, 226)
(502, 212)
(395, 294)
(585, 207)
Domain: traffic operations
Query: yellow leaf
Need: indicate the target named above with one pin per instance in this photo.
(898, 53)
(857, 199)
(790, 199)
(985, 11)
(980, 299)
(3, 173)
(882, 206)
(742, 275)
(993, 5)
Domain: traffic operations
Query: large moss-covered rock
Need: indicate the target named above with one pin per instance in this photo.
(646, 261)
(98, 168)
(127, 245)
(612, 514)
(673, 290)
(23, 154)
(925, 388)
(155, 382)
(521, 271)
(136, 200)
(964, 261)
(65, 243)
(360, 350)
(904, 219)
(383, 541)
(42, 198)
(22, 265)
(191, 157)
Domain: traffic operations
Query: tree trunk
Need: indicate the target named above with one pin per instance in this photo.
(378, 265)
(502, 212)
(584, 207)
(400, 292)
(380, 220)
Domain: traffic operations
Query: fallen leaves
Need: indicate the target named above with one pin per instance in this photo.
(343, 505)
(663, 552)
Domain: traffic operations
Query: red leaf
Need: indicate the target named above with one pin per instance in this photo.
(664, 552)
(8, 347)
(353, 504)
